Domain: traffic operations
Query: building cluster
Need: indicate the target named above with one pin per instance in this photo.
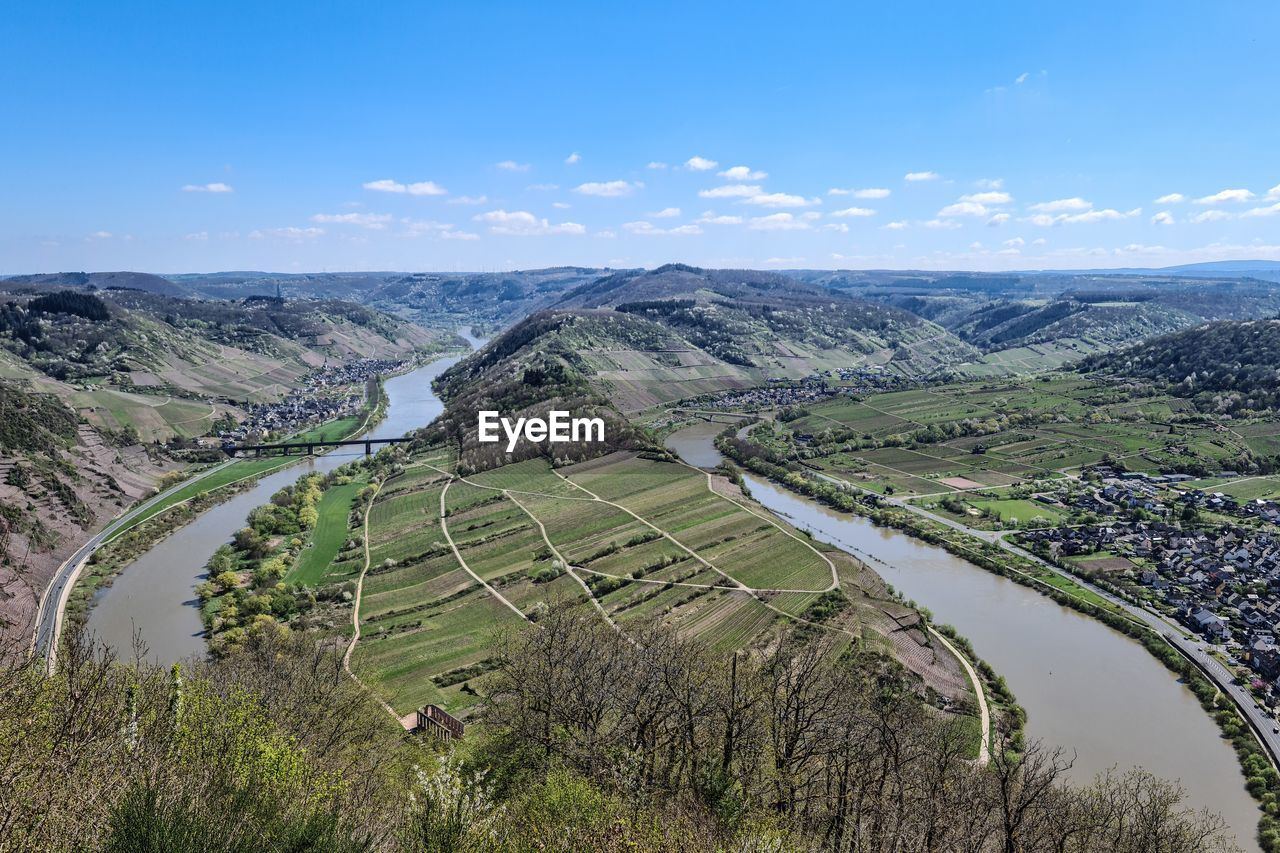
(770, 396)
(327, 393)
(1221, 583)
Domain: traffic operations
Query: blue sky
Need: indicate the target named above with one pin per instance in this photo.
(308, 136)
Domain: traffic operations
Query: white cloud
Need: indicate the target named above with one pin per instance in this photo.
(542, 187)
(1015, 242)
(373, 221)
(655, 164)
(1270, 210)
(459, 235)
(743, 173)
(946, 224)
(1061, 204)
(989, 183)
(100, 235)
(198, 235)
(386, 185)
(522, 223)
(988, 197)
(1211, 216)
(666, 213)
(854, 211)
(1171, 198)
(896, 226)
(1059, 212)
(575, 157)
(512, 166)
(1164, 217)
(561, 205)
(607, 189)
(998, 219)
(710, 218)
(700, 164)
(777, 222)
(1101, 215)
(291, 233)
(781, 200)
(965, 208)
(731, 191)
(836, 226)
(469, 199)
(1225, 195)
(920, 176)
(868, 193)
(215, 187)
(647, 228)
(1022, 78)
(1274, 192)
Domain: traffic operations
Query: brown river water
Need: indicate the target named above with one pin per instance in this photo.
(154, 597)
(1085, 687)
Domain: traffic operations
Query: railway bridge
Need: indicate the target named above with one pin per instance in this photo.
(304, 448)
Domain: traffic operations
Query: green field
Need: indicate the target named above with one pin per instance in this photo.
(328, 536)
(640, 539)
(971, 435)
(241, 469)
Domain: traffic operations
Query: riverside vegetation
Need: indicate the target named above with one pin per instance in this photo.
(587, 740)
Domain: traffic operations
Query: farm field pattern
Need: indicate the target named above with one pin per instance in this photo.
(1026, 430)
(641, 539)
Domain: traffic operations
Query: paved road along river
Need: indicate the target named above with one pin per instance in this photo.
(154, 597)
(1085, 687)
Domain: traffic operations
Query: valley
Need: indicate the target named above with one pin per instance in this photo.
(422, 563)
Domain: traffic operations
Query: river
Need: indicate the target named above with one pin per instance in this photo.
(1085, 687)
(154, 599)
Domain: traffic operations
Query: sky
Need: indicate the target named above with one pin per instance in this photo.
(188, 137)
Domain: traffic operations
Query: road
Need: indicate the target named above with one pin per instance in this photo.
(53, 603)
(1194, 649)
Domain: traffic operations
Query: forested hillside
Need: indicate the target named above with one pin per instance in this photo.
(1223, 367)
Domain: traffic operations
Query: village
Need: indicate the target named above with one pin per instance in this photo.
(855, 382)
(1203, 558)
(328, 393)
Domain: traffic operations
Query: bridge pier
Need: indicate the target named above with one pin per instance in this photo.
(368, 448)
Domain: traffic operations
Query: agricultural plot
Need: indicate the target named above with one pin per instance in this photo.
(1004, 432)
(657, 554)
(330, 532)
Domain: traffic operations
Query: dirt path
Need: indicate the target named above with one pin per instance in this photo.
(355, 613)
(444, 526)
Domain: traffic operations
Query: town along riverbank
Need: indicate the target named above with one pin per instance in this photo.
(1085, 687)
(154, 597)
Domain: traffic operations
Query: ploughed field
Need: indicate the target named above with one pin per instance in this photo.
(454, 563)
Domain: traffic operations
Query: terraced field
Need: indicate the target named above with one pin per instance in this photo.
(639, 539)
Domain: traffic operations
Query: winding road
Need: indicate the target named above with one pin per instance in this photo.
(53, 604)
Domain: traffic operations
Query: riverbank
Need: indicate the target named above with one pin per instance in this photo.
(155, 594)
(1000, 558)
(183, 503)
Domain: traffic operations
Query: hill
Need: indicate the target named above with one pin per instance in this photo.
(93, 379)
(429, 298)
(643, 339)
(99, 281)
(1225, 367)
(1037, 321)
